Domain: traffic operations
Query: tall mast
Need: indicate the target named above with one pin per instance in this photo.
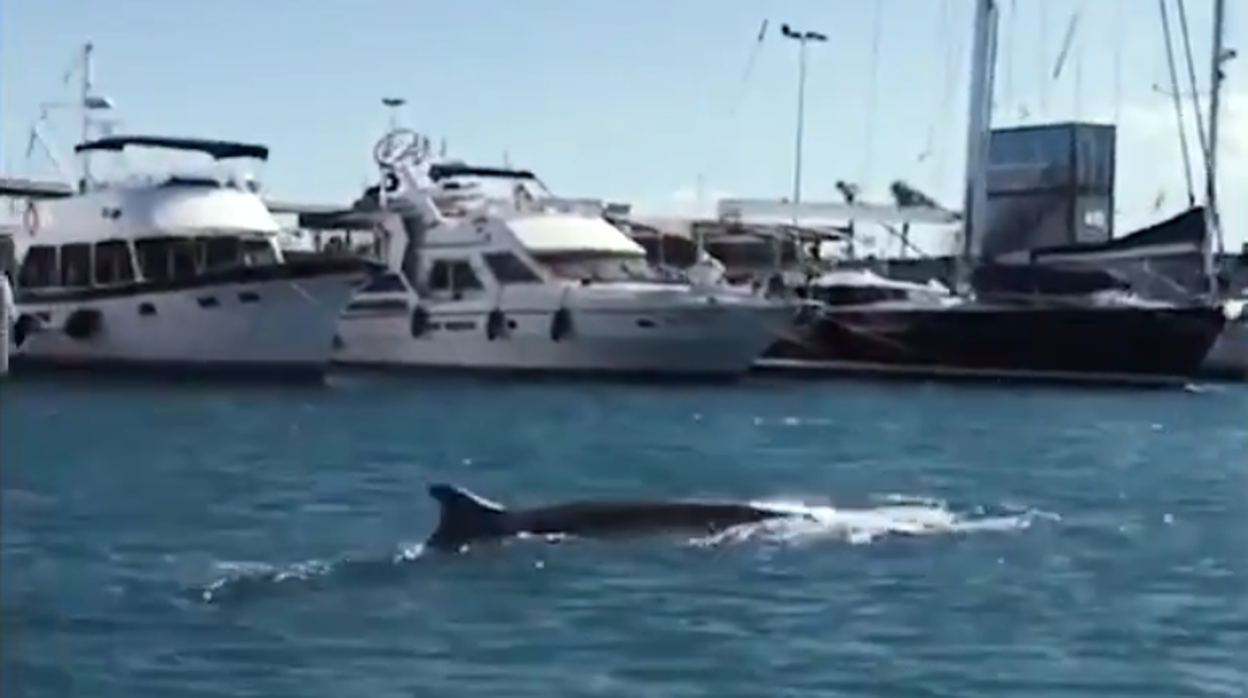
(1218, 55)
(979, 132)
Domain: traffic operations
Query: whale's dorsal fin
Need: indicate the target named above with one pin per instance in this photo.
(464, 517)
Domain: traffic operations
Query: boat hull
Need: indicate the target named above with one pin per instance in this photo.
(278, 327)
(1229, 357)
(706, 341)
(1093, 344)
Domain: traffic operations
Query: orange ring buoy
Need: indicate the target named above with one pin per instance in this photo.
(30, 219)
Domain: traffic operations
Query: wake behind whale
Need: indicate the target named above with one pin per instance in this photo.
(787, 523)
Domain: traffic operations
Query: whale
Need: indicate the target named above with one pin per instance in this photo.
(465, 518)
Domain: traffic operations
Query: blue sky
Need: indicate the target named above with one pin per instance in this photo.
(632, 101)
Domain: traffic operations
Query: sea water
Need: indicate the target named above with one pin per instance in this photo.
(180, 541)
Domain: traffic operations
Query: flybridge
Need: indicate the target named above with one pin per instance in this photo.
(217, 150)
(26, 188)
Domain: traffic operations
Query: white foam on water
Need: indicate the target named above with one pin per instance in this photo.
(901, 515)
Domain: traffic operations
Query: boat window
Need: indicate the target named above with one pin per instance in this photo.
(113, 264)
(221, 252)
(259, 252)
(386, 283)
(153, 254)
(76, 265)
(39, 268)
(594, 265)
(453, 276)
(185, 259)
(857, 295)
(507, 268)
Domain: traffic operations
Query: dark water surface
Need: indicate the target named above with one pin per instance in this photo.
(970, 542)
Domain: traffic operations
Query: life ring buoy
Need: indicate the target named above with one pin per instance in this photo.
(420, 322)
(495, 324)
(561, 324)
(23, 328)
(84, 323)
(30, 219)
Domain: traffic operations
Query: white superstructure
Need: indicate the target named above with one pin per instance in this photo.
(524, 281)
(172, 272)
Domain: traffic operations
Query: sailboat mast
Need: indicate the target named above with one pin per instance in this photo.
(979, 132)
(1216, 79)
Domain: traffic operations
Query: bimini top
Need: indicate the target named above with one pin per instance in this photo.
(446, 170)
(218, 150)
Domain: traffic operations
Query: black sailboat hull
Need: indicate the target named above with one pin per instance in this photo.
(1075, 343)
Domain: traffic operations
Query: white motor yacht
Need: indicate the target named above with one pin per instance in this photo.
(173, 273)
(527, 282)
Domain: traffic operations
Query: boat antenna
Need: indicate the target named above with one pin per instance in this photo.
(393, 105)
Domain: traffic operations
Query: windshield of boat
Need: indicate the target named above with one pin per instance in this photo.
(464, 193)
(600, 266)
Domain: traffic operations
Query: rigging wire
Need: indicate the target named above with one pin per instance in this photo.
(946, 76)
(1069, 44)
(744, 84)
(1068, 39)
(1118, 51)
(1011, 29)
(877, 28)
(1201, 137)
(1176, 97)
(738, 99)
(1041, 49)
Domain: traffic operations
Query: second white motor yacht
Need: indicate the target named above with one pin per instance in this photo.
(525, 283)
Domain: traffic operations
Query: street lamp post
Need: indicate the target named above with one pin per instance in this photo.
(802, 38)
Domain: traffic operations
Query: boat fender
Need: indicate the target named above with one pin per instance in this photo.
(561, 324)
(495, 324)
(420, 321)
(84, 323)
(22, 329)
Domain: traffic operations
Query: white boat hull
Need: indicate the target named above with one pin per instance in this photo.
(271, 329)
(699, 339)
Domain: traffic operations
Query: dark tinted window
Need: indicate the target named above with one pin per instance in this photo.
(112, 263)
(453, 276)
(222, 252)
(185, 259)
(153, 257)
(386, 283)
(507, 268)
(39, 268)
(76, 265)
(857, 295)
(258, 253)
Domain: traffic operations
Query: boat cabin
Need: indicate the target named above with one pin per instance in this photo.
(168, 229)
(481, 254)
(851, 287)
(117, 261)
